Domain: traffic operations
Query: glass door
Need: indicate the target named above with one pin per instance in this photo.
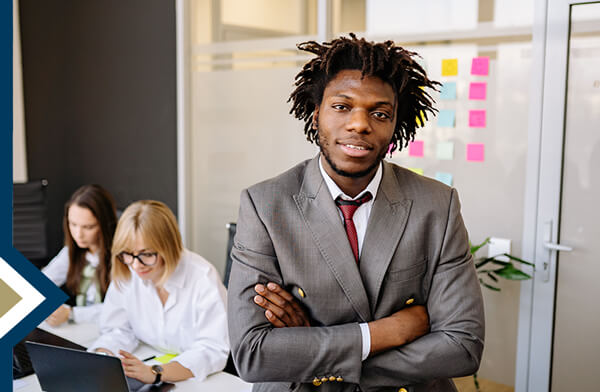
(576, 345)
(564, 348)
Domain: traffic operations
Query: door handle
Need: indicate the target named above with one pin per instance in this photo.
(551, 247)
(557, 247)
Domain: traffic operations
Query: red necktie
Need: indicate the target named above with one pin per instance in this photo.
(348, 208)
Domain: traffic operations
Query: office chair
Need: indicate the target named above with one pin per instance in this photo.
(30, 220)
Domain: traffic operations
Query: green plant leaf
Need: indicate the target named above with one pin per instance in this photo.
(475, 248)
(518, 259)
(487, 286)
(511, 273)
(492, 277)
(484, 260)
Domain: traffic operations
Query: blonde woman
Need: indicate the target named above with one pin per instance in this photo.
(163, 295)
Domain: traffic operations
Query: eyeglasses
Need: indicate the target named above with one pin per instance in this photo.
(146, 258)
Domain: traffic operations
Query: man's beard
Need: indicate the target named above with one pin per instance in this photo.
(344, 173)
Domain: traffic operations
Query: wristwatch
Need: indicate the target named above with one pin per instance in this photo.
(157, 369)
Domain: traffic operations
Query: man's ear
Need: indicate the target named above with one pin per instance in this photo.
(315, 118)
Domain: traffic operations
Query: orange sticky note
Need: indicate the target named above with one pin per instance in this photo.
(449, 67)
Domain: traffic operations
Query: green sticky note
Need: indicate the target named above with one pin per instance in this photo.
(445, 151)
(417, 170)
(165, 358)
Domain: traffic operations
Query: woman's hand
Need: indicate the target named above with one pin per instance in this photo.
(104, 351)
(135, 368)
(59, 316)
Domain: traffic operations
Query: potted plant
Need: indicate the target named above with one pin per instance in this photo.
(491, 269)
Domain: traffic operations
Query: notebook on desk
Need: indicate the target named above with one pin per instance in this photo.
(61, 369)
(21, 361)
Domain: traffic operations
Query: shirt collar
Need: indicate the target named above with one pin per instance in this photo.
(177, 278)
(335, 190)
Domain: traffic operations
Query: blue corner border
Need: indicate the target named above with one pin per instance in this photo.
(54, 296)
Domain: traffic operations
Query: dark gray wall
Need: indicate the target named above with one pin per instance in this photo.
(100, 99)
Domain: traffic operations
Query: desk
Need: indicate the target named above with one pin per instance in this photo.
(85, 334)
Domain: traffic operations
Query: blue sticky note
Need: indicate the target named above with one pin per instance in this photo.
(448, 91)
(446, 118)
(446, 178)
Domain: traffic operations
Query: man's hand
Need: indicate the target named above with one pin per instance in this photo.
(400, 328)
(59, 316)
(281, 308)
(135, 368)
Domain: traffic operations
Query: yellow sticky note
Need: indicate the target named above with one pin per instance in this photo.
(449, 67)
(420, 119)
(165, 358)
(416, 170)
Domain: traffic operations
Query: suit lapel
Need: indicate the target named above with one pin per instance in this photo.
(386, 224)
(322, 220)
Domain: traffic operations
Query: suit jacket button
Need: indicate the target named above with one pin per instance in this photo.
(316, 382)
(331, 378)
(408, 302)
(301, 292)
(324, 379)
(339, 379)
(402, 390)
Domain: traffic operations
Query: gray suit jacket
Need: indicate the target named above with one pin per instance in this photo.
(415, 247)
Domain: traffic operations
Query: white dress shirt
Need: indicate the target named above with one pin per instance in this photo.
(360, 219)
(192, 323)
(57, 270)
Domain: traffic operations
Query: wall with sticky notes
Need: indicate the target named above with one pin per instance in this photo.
(477, 144)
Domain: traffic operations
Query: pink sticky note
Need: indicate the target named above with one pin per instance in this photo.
(480, 66)
(390, 148)
(475, 152)
(477, 90)
(477, 118)
(415, 149)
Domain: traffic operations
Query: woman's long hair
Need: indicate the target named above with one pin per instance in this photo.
(102, 206)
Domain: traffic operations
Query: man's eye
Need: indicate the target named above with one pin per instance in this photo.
(381, 115)
(338, 107)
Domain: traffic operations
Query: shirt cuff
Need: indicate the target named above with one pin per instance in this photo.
(366, 340)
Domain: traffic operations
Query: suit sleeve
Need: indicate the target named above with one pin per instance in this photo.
(263, 353)
(454, 345)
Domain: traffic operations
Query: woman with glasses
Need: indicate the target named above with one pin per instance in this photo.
(163, 295)
(83, 265)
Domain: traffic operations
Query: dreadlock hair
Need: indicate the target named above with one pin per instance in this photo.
(390, 63)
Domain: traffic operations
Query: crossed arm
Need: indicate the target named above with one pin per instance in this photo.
(449, 327)
(282, 310)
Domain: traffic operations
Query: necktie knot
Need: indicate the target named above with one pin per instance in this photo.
(348, 208)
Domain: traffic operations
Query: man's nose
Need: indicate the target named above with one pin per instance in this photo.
(359, 121)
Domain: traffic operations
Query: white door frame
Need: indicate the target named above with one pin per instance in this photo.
(542, 199)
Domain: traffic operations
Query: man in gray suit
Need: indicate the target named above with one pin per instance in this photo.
(350, 273)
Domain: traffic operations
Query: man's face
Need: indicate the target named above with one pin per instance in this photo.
(356, 120)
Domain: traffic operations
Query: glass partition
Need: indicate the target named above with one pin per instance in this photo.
(243, 67)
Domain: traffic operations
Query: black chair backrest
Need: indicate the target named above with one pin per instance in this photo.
(231, 227)
(30, 220)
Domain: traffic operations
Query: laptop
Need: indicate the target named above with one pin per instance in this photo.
(61, 369)
(21, 361)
